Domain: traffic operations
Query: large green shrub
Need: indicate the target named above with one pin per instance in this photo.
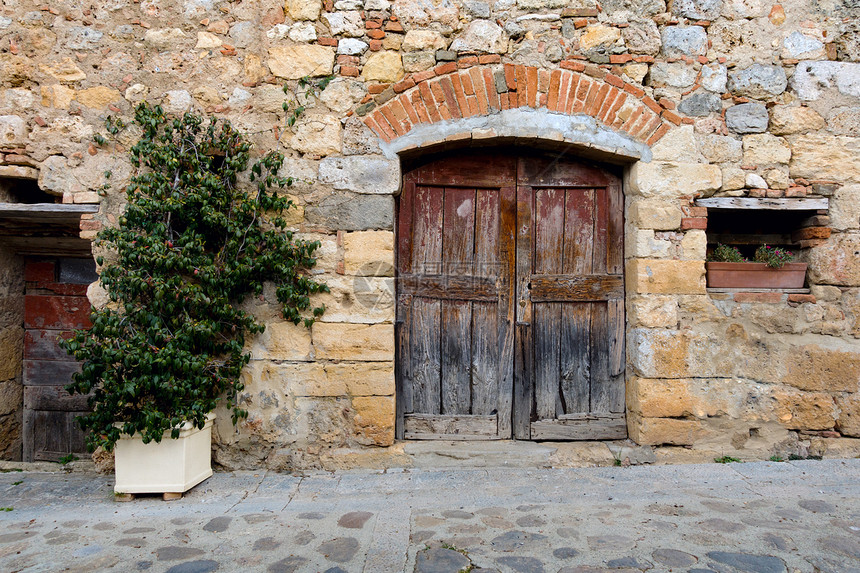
(195, 240)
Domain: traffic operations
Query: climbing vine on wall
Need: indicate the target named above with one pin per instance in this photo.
(201, 232)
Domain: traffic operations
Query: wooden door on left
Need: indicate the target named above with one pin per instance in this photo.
(55, 303)
(455, 268)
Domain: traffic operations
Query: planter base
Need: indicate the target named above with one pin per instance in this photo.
(171, 466)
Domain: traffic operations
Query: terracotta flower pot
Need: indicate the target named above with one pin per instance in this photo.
(755, 275)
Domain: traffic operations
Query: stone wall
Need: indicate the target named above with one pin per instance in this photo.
(11, 354)
(697, 98)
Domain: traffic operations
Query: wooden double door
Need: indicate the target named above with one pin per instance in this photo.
(510, 300)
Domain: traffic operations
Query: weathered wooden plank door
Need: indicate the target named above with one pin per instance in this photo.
(510, 300)
(570, 258)
(55, 303)
(455, 265)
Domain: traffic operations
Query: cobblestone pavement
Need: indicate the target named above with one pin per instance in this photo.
(752, 517)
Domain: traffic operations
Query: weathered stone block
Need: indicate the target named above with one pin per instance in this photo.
(369, 253)
(848, 417)
(755, 181)
(163, 39)
(374, 419)
(800, 47)
(11, 349)
(758, 81)
(364, 378)
(364, 299)
(659, 398)
(642, 37)
(733, 178)
(676, 75)
(643, 243)
(653, 311)
(747, 118)
(98, 97)
(694, 245)
(820, 369)
(366, 342)
(295, 62)
(599, 35)
(660, 431)
(422, 40)
(836, 261)
(18, 172)
(302, 379)
(303, 9)
(65, 71)
(819, 156)
(804, 410)
(660, 353)
(777, 178)
(282, 341)
(385, 66)
(844, 121)
(13, 131)
(342, 94)
(714, 78)
(482, 36)
(351, 47)
(684, 41)
(361, 174)
(720, 149)
(418, 61)
(656, 214)
(176, 102)
(678, 145)
(811, 80)
(58, 96)
(320, 379)
(701, 104)
(665, 179)
(698, 9)
(317, 134)
(659, 276)
(825, 293)
(765, 149)
(845, 208)
(347, 23)
(352, 212)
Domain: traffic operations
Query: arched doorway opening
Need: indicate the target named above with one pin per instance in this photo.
(510, 297)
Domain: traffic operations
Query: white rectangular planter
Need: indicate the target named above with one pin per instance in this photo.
(171, 466)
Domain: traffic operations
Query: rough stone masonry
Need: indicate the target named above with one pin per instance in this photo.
(696, 98)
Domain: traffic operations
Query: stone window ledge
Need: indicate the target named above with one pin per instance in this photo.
(791, 296)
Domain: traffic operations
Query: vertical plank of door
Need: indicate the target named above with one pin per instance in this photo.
(507, 306)
(524, 362)
(548, 240)
(485, 327)
(601, 383)
(425, 338)
(617, 331)
(576, 316)
(458, 251)
(403, 306)
(28, 426)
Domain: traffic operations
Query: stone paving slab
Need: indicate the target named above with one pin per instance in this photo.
(756, 517)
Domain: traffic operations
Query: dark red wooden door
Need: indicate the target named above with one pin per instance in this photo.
(55, 303)
(510, 300)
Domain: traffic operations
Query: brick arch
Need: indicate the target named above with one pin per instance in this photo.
(457, 91)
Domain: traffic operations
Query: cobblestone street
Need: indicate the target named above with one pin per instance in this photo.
(751, 517)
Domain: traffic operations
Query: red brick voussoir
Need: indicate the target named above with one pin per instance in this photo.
(473, 89)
